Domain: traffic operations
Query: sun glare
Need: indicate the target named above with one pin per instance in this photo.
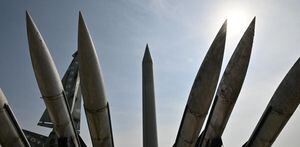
(237, 20)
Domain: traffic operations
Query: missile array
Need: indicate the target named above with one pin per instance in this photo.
(228, 90)
(206, 101)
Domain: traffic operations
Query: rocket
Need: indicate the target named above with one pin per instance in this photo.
(50, 86)
(202, 92)
(92, 87)
(228, 91)
(149, 114)
(11, 134)
(281, 107)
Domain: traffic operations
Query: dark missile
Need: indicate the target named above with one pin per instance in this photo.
(281, 107)
(202, 92)
(92, 87)
(228, 90)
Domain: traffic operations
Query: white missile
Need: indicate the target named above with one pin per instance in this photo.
(92, 87)
(50, 86)
(11, 134)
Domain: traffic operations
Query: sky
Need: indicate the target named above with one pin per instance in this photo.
(179, 34)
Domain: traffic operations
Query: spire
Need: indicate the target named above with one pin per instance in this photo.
(147, 56)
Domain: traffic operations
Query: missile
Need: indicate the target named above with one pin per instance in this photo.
(149, 114)
(202, 92)
(11, 134)
(92, 87)
(228, 90)
(50, 86)
(281, 107)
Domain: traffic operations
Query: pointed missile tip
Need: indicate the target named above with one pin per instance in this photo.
(81, 25)
(80, 18)
(223, 29)
(251, 26)
(224, 26)
(27, 14)
(253, 21)
(28, 18)
(31, 27)
(80, 15)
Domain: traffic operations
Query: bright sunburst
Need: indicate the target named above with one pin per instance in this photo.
(238, 19)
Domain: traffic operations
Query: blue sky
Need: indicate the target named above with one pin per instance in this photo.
(179, 34)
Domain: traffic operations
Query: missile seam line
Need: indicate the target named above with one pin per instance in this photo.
(53, 98)
(102, 109)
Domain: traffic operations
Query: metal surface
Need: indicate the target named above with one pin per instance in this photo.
(281, 107)
(11, 134)
(228, 89)
(202, 92)
(149, 113)
(50, 85)
(92, 87)
(71, 84)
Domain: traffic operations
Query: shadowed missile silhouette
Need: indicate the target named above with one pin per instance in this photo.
(11, 134)
(50, 86)
(228, 91)
(202, 92)
(149, 114)
(281, 107)
(92, 87)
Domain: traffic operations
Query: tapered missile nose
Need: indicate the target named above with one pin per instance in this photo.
(223, 30)
(251, 26)
(147, 56)
(224, 26)
(85, 43)
(29, 23)
(27, 15)
(82, 28)
(81, 17)
(253, 20)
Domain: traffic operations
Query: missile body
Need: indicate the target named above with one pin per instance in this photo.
(281, 107)
(228, 90)
(149, 114)
(50, 86)
(11, 134)
(92, 87)
(202, 92)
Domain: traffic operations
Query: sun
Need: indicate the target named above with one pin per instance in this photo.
(237, 20)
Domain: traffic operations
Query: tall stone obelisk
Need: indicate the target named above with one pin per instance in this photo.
(149, 114)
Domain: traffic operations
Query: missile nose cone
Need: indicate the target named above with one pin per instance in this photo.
(44, 68)
(224, 26)
(147, 56)
(208, 73)
(90, 73)
(202, 92)
(251, 26)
